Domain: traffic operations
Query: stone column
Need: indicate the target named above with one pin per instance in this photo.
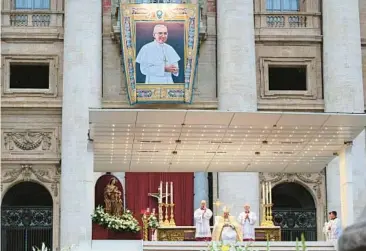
(200, 188)
(236, 74)
(343, 83)
(237, 90)
(346, 185)
(82, 89)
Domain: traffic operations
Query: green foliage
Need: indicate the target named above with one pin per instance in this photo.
(220, 246)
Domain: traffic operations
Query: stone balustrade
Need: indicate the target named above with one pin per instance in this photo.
(30, 23)
(302, 25)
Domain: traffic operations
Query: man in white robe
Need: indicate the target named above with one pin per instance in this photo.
(247, 220)
(334, 229)
(326, 230)
(202, 218)
(158, 60)
(226, 229)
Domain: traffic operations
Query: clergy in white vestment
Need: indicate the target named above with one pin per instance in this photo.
(158, 60)
(247, 219)
(334, 228)
(226, 229)
(326, 230)
(202, 218)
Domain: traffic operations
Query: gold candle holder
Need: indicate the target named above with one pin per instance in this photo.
(267, 215)
(145, 227)
(172, 221)
(160, 218)
(166, 222)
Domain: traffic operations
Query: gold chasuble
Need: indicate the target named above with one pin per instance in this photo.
(226, 229)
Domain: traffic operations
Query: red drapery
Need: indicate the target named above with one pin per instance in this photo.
(139, 185)
(101, 183)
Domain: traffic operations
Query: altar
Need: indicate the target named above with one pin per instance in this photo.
(187, 233)
(268, 233)
(178, 233)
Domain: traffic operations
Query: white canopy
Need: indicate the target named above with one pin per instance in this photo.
(190, 140)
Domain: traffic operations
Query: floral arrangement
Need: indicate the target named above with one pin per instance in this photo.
(124, 223)
(153, 221)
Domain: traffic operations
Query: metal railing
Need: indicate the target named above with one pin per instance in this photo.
(25, 227)
(295, 222)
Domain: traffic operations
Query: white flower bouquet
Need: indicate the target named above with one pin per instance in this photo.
(124, 223)
(153, 221)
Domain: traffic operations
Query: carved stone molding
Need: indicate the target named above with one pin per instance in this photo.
(28, 140)
(50, 177)
(314, 181)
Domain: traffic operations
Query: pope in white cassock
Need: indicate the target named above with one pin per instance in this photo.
(158, 60)
(226, 229)
(202, 218)
(247, 219)
(333, 228)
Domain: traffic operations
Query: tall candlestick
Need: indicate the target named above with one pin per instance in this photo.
(270, 193)
(171, 193)
(266, 192)
(166, 192)
(263, 194)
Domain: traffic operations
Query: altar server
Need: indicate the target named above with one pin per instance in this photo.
(202, 218)
(247, 220)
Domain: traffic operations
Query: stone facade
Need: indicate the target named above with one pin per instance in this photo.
(31, 121)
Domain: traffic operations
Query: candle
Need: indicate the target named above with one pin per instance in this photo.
(171, 191)
(166, 192)
(263, 194)
(148, 210)
(161, 192)
(266, 192)
(270, 193)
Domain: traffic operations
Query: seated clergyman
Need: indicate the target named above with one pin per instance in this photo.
(226, 228)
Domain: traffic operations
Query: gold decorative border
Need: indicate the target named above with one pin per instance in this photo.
(176, 93)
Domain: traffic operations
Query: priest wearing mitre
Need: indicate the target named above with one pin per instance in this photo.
(202, 218)
(247, 219)
(226, 228)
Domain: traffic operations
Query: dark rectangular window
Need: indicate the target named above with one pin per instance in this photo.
(287, 78)
(29, 76)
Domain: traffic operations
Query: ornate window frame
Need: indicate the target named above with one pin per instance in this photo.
(309, 63)
(51, 60)
(313, 182)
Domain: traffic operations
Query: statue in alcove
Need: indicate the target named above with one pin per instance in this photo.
(113, 199)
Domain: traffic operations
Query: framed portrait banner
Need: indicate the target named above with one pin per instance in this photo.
(159, 49)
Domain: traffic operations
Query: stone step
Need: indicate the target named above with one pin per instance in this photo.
(255, 246)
